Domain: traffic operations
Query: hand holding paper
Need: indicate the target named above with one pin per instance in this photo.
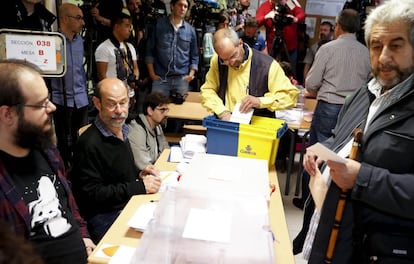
(326, 154)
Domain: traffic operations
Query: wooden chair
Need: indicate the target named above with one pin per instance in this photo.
(83, 129)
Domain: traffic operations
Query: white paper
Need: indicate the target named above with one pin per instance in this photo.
(142, 216)
(168, 178)
(123, 255)
(208, 225)
(176, 154)
(326, 154)
(242, 118)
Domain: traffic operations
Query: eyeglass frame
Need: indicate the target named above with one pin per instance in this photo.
(78, 17)
(162, 109)
(233, 57)
(45, 105)
(113, 105)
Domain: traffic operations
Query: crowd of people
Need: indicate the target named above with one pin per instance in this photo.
(62, 191)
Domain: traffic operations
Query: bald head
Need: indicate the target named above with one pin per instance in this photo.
(71, 19)
(110, 85)
(225, 37)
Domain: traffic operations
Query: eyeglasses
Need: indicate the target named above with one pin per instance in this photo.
(112, 106)
(163, 109)
(78, 17)
(45, 105)
(232, 58)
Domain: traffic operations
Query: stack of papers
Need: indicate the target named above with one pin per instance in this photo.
(192, 144)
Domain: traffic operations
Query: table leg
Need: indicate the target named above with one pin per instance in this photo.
(291, 161)
(300, 166)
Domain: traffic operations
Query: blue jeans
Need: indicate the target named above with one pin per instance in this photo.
(323, 122)
(170, 85)
(99, 225)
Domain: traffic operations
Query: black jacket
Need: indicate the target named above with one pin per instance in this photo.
(383, 196)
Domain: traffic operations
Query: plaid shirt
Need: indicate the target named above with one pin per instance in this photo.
(15, 211)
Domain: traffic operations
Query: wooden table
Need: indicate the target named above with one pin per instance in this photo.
(191, 109)
(121, 234)
(294, 130)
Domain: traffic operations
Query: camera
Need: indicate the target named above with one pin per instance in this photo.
(131, 78)
(281, 19)
(202, 13)
(177, 98)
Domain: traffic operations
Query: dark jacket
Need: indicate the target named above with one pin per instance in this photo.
(259, 70)
(383, 196)
(104, 175)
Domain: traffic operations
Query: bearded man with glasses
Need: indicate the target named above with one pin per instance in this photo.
(239, 74)
(35, 198)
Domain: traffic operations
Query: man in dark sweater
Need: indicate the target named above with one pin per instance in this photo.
(104, 174)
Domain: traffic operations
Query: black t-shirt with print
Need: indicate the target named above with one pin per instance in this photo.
(54, 231)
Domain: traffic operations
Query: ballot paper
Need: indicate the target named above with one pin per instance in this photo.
(168, 179)
(123, 255)
(242, 118)
(142, 216)
(326, 154)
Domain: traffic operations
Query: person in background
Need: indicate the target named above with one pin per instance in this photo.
(117, 58)
(223, 21)
(35, 197)
(252, 35)
(69, 93)
(229, 80)
(270, 15)
(146, 135)
(26, 14)
(239, 15)
(172, 52)
(326, 34)
(103, 13)
(104, 175)
(378, 221)
(340, 67)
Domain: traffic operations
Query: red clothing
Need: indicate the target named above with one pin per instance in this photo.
(289, 31)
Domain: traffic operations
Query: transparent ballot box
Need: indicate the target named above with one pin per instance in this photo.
(207, 227)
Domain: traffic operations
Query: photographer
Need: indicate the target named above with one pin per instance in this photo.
(281, 16)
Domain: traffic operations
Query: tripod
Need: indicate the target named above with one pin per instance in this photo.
(279, 50)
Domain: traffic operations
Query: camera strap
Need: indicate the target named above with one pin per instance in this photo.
(126, 58)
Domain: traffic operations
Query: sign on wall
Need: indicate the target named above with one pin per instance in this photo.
(44, 49)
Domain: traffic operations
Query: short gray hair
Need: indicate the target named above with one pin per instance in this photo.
(390, 12)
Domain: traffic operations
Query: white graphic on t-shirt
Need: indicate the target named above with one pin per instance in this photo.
(46, 209)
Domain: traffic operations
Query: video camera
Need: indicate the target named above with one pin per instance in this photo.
(281, 19)
(201, 13)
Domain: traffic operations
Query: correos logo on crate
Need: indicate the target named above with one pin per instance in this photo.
(248, 150)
